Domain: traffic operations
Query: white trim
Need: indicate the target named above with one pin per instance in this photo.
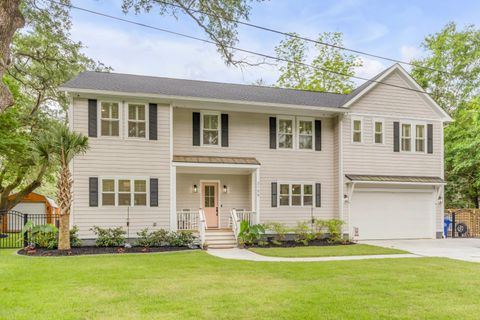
(374, 131)
(173, 198)
(397, 182)
(291, 118)
(196, 99)
(219, 202)
(219, 128)
(126, 120)
(353, 119)
(397, 67)
(413, 137)
(215, 165)
(120, 119)
(340, 172)
(132, 190)
(297, 131)
(290, 194)
(257, 194)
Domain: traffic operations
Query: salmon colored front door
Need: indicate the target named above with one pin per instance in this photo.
(210, 204)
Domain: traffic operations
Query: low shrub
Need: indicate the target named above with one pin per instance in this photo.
(181, 239)
(109, 237)
(279, 230)
(163, 238)
(335, 230)
(145, 238)
(249, 234)
(303, 233)
(320, 227)
(74, 239)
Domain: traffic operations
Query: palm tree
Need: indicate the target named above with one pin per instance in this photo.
(66, 145)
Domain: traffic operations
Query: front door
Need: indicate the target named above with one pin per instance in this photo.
(210, 204)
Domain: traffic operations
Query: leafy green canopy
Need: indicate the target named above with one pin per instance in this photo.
(44, 57)
(297, 75)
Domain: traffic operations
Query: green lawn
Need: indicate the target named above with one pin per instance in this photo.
(195, 285)
(327, 251)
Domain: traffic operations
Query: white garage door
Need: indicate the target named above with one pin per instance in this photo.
(399, 214)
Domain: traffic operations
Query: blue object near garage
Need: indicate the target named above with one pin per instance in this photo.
(446, 224)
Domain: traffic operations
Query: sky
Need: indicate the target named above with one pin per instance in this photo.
(394, 29)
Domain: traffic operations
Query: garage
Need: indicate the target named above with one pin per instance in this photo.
(392, 209)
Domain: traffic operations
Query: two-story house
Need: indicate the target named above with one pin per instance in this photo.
(162, 150)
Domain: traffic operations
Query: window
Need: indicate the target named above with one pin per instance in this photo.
(285, 133)
(108, 192)
(109, 119)
(307, 195)
(211, 125)
(406, 137)
(284, 194)
(357, 130)
(140, 193)
(378, 132)
(124, 194)
(305, 134)
(296, 194)
(420, 138)
(136, 120)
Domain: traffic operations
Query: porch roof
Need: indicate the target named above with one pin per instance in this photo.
(214, 159)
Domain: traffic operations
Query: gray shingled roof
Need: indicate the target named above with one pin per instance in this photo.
(379, 178)
(103, 81)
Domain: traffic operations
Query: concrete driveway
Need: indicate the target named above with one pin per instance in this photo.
(457, 248)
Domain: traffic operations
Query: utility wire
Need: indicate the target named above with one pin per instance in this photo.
(232, 47)
(291, 35)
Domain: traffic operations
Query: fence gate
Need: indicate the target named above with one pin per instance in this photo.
(465, 223)
(11, 225)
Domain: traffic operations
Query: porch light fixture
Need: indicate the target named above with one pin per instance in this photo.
(225, 189)
(195, 188)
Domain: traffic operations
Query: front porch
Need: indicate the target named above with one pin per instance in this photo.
(214, 193)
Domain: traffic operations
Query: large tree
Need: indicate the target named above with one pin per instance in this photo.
(331, 69)
(43, 57)
(450, 72)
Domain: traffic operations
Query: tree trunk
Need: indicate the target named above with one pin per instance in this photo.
(64, 197)
(64, 232)
(11, 19)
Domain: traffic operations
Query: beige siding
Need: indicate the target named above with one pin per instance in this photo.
(238, 195)
(123, 158)
(249, 136)
(394, 104)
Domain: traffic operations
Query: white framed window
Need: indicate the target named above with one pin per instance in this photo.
(305, 132)
(210, 128)
(124, 191)
(357, 130)
(378, 131)
(108, 192)
(285, 130)
(295, 194)
(136, 120)
(406, 137)
(139, 192)
(420, 138)
(109, 119)
(284, 195)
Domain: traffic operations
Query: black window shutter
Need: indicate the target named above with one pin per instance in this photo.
(430, 138)
(153, 192)
(93, 192)
(318, 135)
(274, 194)
(318, 195)
(273, 133)
(92, 118)
(396, 136)
(196, 128)
(224, 122)
(152, 121)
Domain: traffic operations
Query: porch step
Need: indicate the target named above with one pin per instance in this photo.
(220, 238)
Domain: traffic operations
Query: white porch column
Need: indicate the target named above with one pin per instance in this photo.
(173, 198)
(257, 194)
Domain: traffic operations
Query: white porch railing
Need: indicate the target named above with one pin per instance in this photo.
(202, 226)
(237, 216)
(187, 220)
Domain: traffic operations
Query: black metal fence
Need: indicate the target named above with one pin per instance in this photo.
(12, 223)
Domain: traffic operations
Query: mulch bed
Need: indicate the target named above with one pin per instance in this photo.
(80, 251)
(291, 243)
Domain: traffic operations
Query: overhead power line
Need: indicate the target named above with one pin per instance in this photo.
(266, 56)
(291, 35)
